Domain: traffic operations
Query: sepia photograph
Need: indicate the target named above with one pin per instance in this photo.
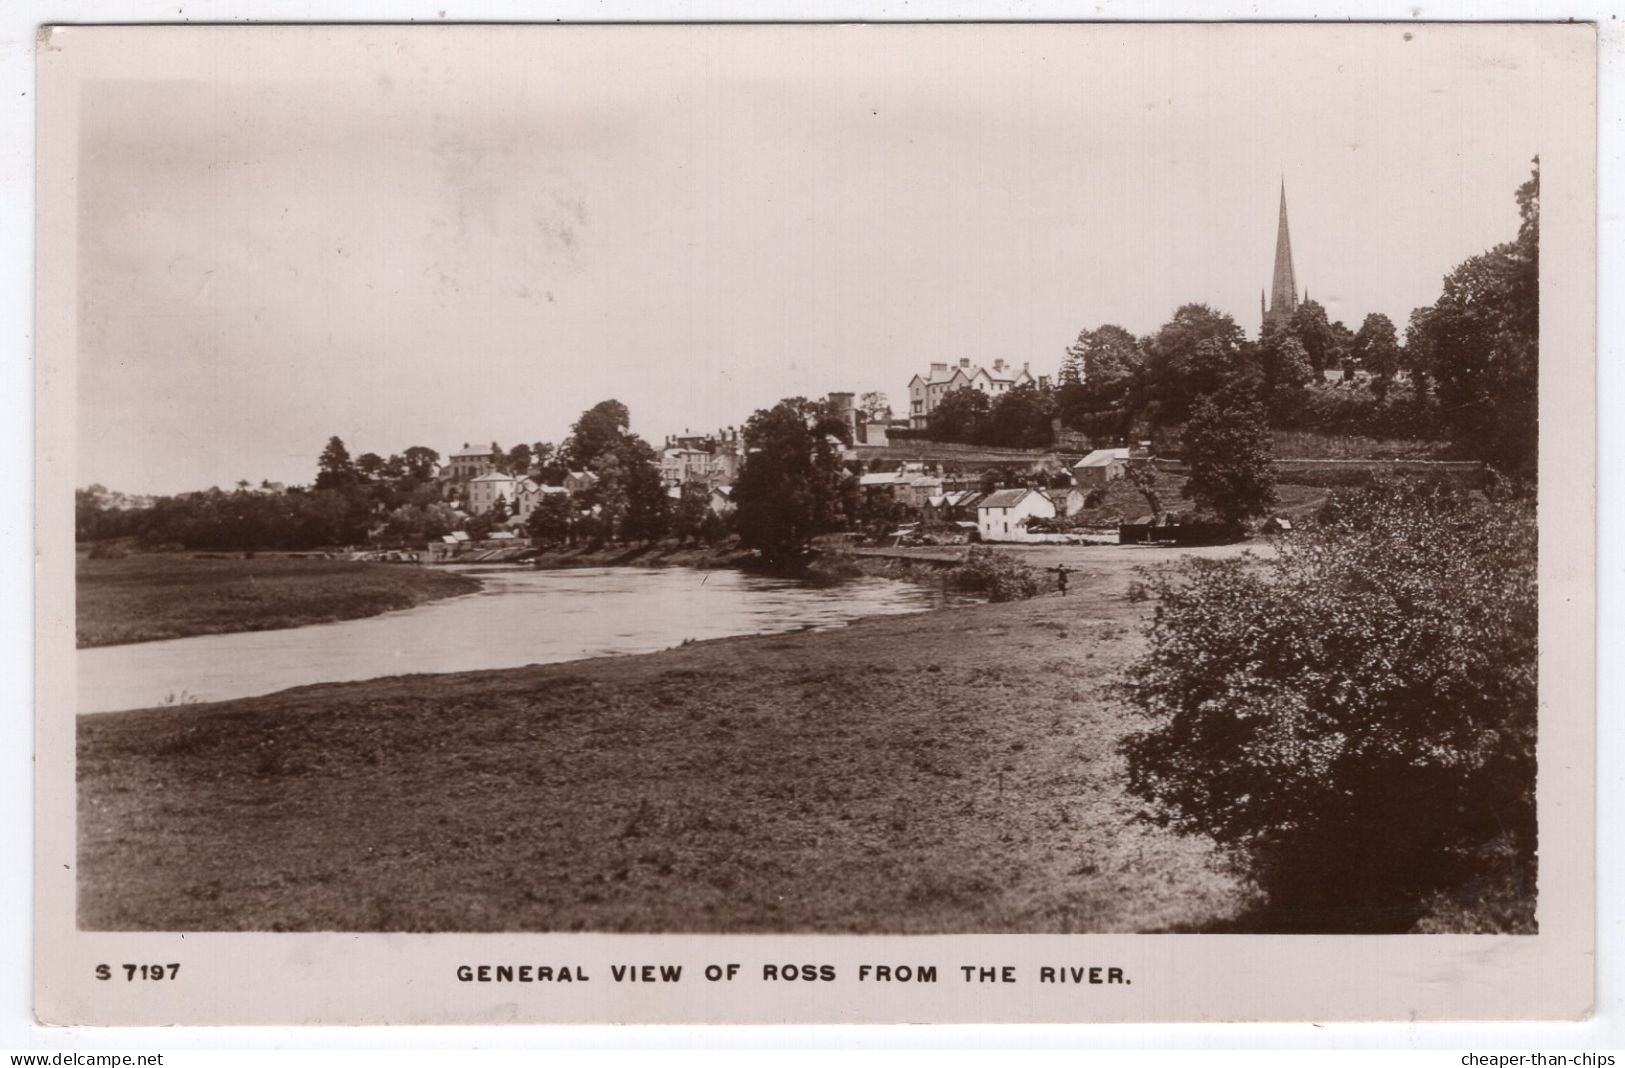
(1043, 480)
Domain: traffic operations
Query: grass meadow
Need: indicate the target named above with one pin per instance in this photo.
(150, 597)
(953, 771)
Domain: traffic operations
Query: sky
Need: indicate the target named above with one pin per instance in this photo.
(437, 236)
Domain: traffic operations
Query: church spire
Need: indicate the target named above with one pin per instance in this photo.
(1284, 285)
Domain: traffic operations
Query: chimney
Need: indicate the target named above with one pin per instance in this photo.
(1025, 365)
(964, 361)
(998, 365)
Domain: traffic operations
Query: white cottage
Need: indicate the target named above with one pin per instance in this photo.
(1003, 515)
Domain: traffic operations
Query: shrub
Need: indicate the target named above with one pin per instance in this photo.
(1356, 717)
(831, 567)
(997, 574)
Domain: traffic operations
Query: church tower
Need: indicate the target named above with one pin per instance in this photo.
(1284, 286)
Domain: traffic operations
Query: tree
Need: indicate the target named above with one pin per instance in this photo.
(693, 505)
(415, 522)
(648, 509)
(518, 460)
(713, 529)
(1098, 379)
(499, 510)
(1197, 352)
(960, 416)
(1286, 370)
(608, 498)
(1356, 717)
(1314, 332)
(791, 486)
(599, 429)
(1419, 350)
(370, 464)
(548, 464)
(1376, 348)
(334, 469)
(1227, 446)
(395, 467)
(551, 521)
(1142, 475)
(874, 407)
(1342, 350)
(1020, 419)
(421, 462)
(1482, 338)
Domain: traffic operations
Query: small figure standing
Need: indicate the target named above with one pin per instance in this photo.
(1060, 578)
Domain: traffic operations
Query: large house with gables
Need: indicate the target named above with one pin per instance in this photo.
(925, 392)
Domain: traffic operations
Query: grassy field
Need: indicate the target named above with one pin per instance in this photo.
(143, 598)
(954, 771)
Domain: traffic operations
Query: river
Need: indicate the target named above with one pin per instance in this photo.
(520, 616)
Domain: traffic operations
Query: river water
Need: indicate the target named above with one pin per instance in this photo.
(520, 617)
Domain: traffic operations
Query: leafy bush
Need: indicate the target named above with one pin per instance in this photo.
(831, 567)
(999, 575)
(1356, 717)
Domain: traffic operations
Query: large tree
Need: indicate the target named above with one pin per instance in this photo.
(518, 460)
(1482, 338)
(1098, 380)
(1023, 418)
(1197, 352)
(1376, 349)
(370, 464)
(1314, 331)
(648, 509)
(334, 468)
(552, 520)
(421, 462)
(1286, 371)
(961, 416)
(792, 485)
(1227, 447)
(599, 429)
(688, 515)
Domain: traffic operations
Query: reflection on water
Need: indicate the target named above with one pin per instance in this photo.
(520, 617)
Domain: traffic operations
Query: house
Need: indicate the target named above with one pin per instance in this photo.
(706, 458)
(1068, 500)
(529, 494)
(722, 501)
(920, 489)
(1003, 515)
(1100, 467)
(471, 461)
(956, 506)
(925, 392)
(893, 484)
(580, 481)
(485, 490)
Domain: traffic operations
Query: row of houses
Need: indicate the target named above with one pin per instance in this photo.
(521, 495)
(1002, 515)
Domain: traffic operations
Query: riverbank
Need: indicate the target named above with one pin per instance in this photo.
(664, 554)
(951, 771)
(156, 596)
